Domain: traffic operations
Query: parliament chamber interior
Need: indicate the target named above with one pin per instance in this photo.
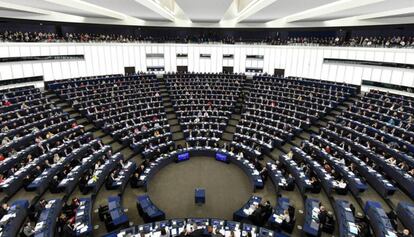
(219, 118)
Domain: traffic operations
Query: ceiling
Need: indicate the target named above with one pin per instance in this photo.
(215, 13)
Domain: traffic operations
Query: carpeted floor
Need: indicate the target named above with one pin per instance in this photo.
(227, 188)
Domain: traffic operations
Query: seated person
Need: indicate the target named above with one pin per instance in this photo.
(28, 230)
(325, 220)
(316, 185)
(4, 209)
(405, 233)
(322, 215)
(135, 180)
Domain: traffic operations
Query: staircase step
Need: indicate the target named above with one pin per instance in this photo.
(138, 158)
(75, 115)
(173, 122)
(227, 136)
(82, 121)
(107, 140)
(268, 158)
(116, 146)
(175, 128)
(314, 129)
(296, 142)
(177, 136)
(68, 110)
(89, 127)
(276, 153)
(169, 110)
(304, 135)
(233, 122)
(98, 133)
(127, 153)
(172, 117)
(236, 116)
(230, 129)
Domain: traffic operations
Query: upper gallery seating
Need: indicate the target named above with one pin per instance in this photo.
(203, 104)
(276, 109)
(375, 40)
(129, 108)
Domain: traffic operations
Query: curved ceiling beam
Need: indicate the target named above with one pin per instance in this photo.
(326, 9)
(93, 8)
(44, 13)
(234, 14)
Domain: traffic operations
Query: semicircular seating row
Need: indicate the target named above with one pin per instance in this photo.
(369, 146)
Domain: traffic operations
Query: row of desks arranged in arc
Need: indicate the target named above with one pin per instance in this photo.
(247, 209)
(46, 224)
(13, 220)
(346, 219)
(382, 185)
(121, 180)
(186, 153)
(117, 217)
(147, 210)
(380, 223)
(311, 225)
(405, 212)
(83, 218)
(201, 226)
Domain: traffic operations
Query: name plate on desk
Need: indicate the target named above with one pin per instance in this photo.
(221, 157)
(183, 157)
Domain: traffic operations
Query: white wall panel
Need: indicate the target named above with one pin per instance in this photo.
(408, 79)
(48, 72)
(376, 74)
(74, 71)
(367, 74)
(101, 61)
(386, 75)
(296, 60)
(120, 56)
(14, 51)
(4, 51)
(356, 76)
(349, 74)
(17, 71)
(25, 51)
(89, 61)
(167, 58)
(27, 70)
(396, 77)
(340, 73)
(37, 69)
(57, 71)
(6, 72)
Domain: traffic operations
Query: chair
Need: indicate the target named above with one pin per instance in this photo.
(329, 226)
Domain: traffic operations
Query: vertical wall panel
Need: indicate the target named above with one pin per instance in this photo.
(303, 61)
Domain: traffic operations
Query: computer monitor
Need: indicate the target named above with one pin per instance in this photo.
(221, 157)
(183, 156)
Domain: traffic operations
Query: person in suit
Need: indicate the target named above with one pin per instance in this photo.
(285, 219)
(323, 215)
(4, 209)
(290, 182)
(28, 230)
(164, 233)
(135, 180)
(68, 230)
(111, 178)
(53, 186)
(405, 233)
(315, 184)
